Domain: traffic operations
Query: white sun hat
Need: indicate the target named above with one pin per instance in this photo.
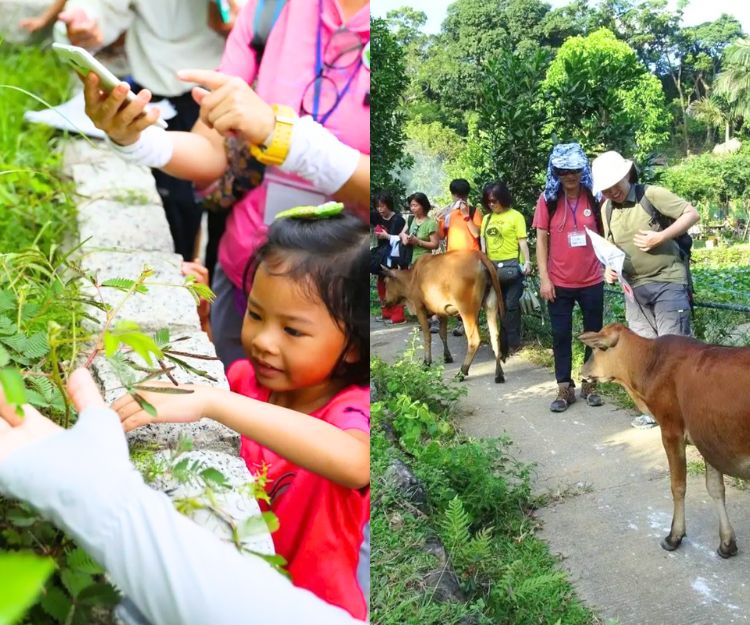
(608, 169)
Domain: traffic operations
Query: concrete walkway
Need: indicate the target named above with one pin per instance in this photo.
(610, 498)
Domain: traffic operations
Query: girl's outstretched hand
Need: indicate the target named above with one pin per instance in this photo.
(231, 106)
(177, 404)
(122, 122)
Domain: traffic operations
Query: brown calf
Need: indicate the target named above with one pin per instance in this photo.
(698, 394)
(456, 283)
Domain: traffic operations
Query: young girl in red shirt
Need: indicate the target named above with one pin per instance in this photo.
(301, 400)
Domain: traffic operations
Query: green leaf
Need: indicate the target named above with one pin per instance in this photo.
(79, 560)
(23, 576)
(36, 346)
(75, 581)
(162, 337)
(13, 388)
(56, 603)
(149, 408)
(215, 477)
(123, 284)
(259, 524)
(4, 357)
(99, 594)
(167, 390)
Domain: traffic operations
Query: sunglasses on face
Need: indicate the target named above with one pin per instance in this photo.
(566, 172)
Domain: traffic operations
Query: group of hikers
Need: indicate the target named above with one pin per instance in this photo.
(648, 222)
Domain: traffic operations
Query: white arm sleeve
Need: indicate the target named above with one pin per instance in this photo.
(175, 572)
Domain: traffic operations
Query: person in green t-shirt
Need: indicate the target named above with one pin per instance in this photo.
(654, 265)
(502, 234)
(420, 233)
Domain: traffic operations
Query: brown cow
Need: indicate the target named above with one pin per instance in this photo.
(456, 283)
(698, 394)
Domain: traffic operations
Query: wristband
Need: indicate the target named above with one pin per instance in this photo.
(154, 148)
(276, 146)
(318, 156)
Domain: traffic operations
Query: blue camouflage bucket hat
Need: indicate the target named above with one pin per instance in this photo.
(566, 156)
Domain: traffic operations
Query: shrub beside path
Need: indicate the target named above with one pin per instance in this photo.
(607, 494)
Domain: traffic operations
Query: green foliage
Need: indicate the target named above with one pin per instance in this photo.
(478, 504)
(387, 116)
(512, 116)
(599, 94)
(424, 385)
(734, 81)
(712, 182)
(23, 576)
(34, 205)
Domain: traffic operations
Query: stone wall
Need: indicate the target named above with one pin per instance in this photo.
(123, 229)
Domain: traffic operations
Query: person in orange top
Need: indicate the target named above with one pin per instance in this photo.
(460, 224)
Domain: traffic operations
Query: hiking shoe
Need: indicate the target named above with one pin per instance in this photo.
(459, 329)
(566, 395)
(588, 392)
(434, 326)
(644, 422)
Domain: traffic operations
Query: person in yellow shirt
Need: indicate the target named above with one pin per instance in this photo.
(502, 235)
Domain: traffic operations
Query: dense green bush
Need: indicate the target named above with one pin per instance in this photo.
(479, 505)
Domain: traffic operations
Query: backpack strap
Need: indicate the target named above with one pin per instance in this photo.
(266, 14)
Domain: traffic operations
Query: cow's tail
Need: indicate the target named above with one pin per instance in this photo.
(495, 284)
(500, 304)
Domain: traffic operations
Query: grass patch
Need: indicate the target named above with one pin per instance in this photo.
(478, 506)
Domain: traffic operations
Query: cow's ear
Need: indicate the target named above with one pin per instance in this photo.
(599, 340)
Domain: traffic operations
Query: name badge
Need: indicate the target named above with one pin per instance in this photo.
(577, 239)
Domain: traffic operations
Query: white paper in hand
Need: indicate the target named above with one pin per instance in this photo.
(611, 256)
(71, 115)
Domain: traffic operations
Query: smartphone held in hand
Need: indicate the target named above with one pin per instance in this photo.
(83, 62)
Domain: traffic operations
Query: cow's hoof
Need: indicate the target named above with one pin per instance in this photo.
(448, 359)
(727, 551)
(460, 376)
(499, 379)
(426, 365)
(670, 544)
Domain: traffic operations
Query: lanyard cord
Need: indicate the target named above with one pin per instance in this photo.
(319, 73)
(574, 209)
(318, 62)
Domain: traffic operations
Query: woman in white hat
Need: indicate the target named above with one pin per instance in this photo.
(649, 224)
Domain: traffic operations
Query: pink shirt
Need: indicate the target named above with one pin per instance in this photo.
(569, 267)
(288, 66)
(321, 524)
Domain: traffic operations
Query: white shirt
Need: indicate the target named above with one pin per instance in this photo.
(163, 36)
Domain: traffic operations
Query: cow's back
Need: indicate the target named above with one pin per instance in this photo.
(448, 281)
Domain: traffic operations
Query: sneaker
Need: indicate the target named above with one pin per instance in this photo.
(434, 326)
(459, 329)
(566, 395)
(644, 422)
(588, 392)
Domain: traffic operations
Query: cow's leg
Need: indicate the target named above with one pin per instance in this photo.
(424, 323)
(490, 307)
(472, 338)
(715, 488)
(674, 445)
(443, 334)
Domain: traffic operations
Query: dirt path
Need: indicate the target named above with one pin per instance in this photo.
(611, 501)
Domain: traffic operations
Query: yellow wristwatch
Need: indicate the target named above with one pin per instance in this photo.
(275, 153)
